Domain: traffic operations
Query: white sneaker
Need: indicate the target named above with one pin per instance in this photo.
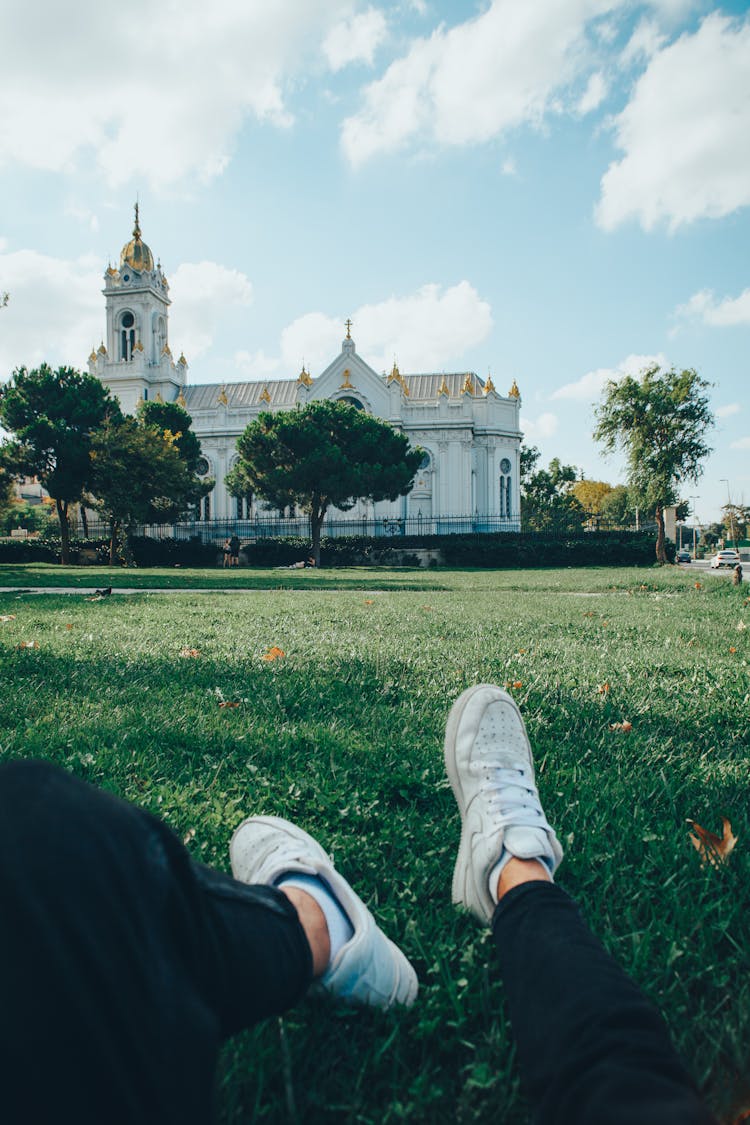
(490, 767)
(368, 969)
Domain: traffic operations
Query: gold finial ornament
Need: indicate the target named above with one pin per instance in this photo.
(159, 397)
(468, 387)
(138, 346)
(182, 359)
(102, 349)
(222, 396)
(489, 385)
(395, 375)
(136, 253)
(514, 391)
(181, 400)
(92, 357)
(443, 388)
(348, 323)
(347, 384)
(265, 396)
(304, 377)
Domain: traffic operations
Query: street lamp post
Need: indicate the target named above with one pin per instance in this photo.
(730, 512)
(695, 520)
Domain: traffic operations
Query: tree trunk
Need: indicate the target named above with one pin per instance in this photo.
(113, 543)
(62, 515)
(661, 554)
(317, 515)
(84, 520)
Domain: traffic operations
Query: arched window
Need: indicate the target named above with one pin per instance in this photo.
(206, 507)
(505, 488)
(127, 336)
(352, 401)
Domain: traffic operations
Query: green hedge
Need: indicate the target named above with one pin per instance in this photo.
(604, 548)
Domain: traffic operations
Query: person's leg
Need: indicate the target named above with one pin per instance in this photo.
(591, 1048)
(123, 964)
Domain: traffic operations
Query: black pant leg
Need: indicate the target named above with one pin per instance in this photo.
(592, 1049)
(122, 963)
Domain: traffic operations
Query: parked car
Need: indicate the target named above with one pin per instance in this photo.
(683, 555)
(727, 557)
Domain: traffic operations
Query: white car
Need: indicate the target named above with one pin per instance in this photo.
(728, 557)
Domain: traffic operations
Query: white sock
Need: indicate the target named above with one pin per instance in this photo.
(340, 929)
(506, 855)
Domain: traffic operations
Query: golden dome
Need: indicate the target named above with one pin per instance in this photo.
(514, 391)
(136, 253)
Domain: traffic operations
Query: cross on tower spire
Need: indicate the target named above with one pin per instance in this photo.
(348, 328)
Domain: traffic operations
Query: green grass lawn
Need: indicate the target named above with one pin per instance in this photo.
(344, 733)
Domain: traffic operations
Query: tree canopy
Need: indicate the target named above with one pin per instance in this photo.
(138, 475)
(548, 500)
(52, 416)
(325, 454)
(659, 421)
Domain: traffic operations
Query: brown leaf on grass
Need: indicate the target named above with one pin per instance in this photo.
(69, 625)
(274, 653)
(191, 652)
(427, 607)
(732, 648)
(7, 617)
(590, 613)
(625, 726)
(698, 585)
(710, 847)
(369, 601)
(514, 684)
(227, 703)
(603, 688)
(29, 644)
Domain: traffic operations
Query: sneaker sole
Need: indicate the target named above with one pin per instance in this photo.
(457, 711)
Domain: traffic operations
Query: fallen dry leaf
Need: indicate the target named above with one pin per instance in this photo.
(697, 585)
(192, 652)
(428, 607)
(273, 653)
(603, 688)
(710, 847)
(514, 684)
(227, 703)
(732, 648)
(69, 625)
(7, 617)
(29, 644)
(625, 726)
(369, 601)
(522, 652)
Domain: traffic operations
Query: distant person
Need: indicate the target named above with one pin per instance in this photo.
(234, 551)
(124, 963)
(737, 575)
(310, 561)
(226, 551)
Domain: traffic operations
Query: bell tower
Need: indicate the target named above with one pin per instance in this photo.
(135, 360)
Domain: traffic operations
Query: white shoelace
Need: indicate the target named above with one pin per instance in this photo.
(512, 798)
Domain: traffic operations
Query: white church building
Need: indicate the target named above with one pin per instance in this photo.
(469, 477)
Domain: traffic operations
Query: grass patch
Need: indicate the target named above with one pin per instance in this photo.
(344, 733)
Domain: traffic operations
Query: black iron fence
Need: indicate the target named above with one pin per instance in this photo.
(263, 527)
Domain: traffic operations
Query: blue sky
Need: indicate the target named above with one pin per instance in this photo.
(554, 191)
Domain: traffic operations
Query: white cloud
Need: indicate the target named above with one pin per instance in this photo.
(729, 311)
(593, 95)
(355, 39)
(426, 330)
(743, 443)
(55, 312)
(509, 167)
(545, 426)
(728, 410)
(508, 66)
(148, 90)
(203, 294)
(685, 133)
(590, 385)
(645, 41)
